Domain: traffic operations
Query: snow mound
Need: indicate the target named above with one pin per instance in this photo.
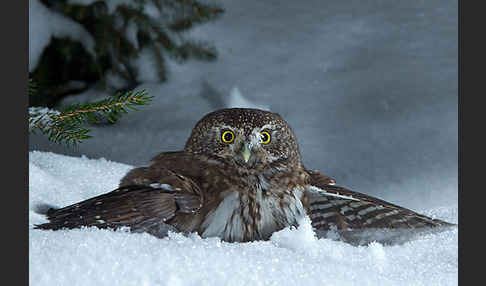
(236, 99)
(302, 238)
(293, 256)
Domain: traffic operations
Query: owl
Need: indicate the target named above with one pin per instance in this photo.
(241, 178)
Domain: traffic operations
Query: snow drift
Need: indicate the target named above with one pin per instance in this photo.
(91, 256)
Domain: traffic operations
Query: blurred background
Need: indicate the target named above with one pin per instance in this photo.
(369, 87)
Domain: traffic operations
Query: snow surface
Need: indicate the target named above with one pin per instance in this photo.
(91, 256)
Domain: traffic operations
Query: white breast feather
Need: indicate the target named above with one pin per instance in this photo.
(227, 222)
(215, 222)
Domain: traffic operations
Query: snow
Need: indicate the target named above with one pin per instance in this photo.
(147, 67)
(111, 5)
(90, 256)
(237, 100)
(302, 238)
(131, 34)
(42, 115)
(44, 24)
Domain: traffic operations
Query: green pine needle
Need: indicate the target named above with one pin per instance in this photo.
(64, 127)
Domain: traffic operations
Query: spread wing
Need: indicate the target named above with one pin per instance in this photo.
(332, 207)
(146, 201)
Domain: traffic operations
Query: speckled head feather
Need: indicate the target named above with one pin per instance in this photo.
(246, 123)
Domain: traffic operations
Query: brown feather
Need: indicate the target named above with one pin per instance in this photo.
(359, 212)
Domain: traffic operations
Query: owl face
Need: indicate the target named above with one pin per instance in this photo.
(250, 138)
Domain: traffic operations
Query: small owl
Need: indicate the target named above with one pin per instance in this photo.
(240, 177)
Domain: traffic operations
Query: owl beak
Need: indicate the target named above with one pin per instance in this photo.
(245, 152)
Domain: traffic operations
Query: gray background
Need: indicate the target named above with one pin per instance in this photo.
(369, 87)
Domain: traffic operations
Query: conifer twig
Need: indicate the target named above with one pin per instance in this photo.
(64, 127)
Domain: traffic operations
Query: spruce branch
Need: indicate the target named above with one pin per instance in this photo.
(121, 32)
(65, 126)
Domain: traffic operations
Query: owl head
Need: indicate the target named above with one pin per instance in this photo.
(250, 138)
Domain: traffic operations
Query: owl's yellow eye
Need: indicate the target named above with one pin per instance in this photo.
(265, 136)
(227, 136)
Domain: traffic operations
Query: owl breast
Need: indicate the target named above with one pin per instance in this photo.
(254, 215)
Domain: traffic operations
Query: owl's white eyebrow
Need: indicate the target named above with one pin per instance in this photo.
(224, 127)
(267, 126)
